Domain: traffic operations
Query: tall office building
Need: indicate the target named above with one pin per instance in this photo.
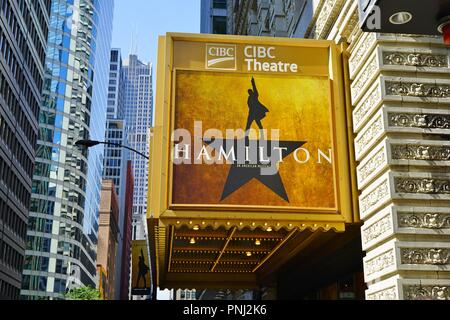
(213, 16)
(63, 228)
(116, 157)
(23, 34)
(115, 108)
(107, 249)
(127, 235)
(138, 118)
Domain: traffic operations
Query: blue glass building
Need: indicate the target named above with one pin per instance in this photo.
(63, 226)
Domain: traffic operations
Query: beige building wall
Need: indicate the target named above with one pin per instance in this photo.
(400, 94)
(107, 236)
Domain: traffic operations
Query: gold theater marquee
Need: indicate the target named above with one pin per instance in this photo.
(249, 156)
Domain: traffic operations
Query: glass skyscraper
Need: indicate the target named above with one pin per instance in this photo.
(23, 37)
(139, 119)
(63, 226)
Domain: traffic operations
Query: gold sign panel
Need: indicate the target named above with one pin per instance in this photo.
(299, 108)
(250, 129)
(140, 275)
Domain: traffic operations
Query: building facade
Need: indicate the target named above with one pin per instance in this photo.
(213, 16)
(107, 249)
(127, 235)
(115, 169)
(23, 37)
(116, 85)
(399, 93)
(276, 18)
(116, 157)
(63, 229)
(185, 294)
(138, 118)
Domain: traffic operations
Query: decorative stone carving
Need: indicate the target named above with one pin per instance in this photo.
(379, 263)
(414, 59)
(324, 14)
(365, 77)
(373, 164)
(370, 134)
(376, 230)
(425, 256)
(422, 185)
(368, 104)
(424, 220)
(420, 152)
(426, 292)
(386, 294)
(350, 27)
(358, 55)
(429, 121)
(416, 89)
(375, 196)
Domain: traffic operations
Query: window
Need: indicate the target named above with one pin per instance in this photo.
(219, 25)
(219, 4)
(114, 55)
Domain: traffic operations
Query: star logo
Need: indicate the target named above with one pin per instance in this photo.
(256, 159)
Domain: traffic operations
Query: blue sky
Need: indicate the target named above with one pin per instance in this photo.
(147, 19)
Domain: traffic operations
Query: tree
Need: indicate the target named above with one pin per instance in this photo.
(83, 293)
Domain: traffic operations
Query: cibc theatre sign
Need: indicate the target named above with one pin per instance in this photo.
(250, 131)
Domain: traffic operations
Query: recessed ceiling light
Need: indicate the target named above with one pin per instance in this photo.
(401, 17)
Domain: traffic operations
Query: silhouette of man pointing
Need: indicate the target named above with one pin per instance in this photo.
(256, 110)
(142, 270)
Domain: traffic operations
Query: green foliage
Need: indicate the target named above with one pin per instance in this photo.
(83, 293)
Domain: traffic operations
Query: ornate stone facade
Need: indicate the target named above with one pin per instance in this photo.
(373, 198)
(376, 230)
(429, 220)
(428, 121)
(367, 74)
(386, 294)
(367, 41)
(377, 161)
(426, 292)
(264, 18)
(422, 185)
(418, 89)
(368, 104)
(420, 152)
(369, 135)
(432, 256)
(408, 78)
(414, 59)
(379, 263)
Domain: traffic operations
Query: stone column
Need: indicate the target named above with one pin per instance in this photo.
(400, 94)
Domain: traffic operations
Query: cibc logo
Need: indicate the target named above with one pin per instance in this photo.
(221, 56)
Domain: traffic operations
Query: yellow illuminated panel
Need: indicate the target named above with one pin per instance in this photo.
(299, 108)
(140, 276)
(294, 107)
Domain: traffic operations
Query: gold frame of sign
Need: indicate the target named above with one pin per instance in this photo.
(172, 222)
